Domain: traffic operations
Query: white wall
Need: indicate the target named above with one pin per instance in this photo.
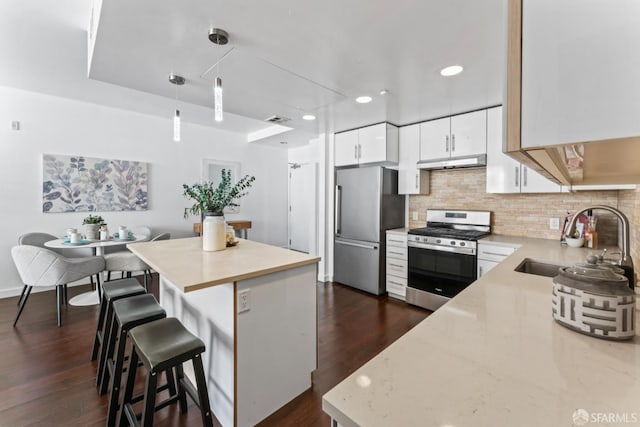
(51, 124)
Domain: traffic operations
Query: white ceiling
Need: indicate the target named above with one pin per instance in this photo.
(289, 58)
(292, 57)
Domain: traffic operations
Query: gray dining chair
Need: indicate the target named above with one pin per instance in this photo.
(39, 238)
(45, 268)
(127, 262)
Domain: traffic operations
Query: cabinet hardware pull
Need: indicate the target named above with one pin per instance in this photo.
(453, 142)
(446, 143)
(524, 180)
(517, 176)
(355, 151)
(417, 176)
(396, 265)
(359, 151)
(480, 272)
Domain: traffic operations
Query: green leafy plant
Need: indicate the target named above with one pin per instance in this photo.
(209, 198)
(93, 219)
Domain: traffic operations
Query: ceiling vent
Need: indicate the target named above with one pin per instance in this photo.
(277, 119)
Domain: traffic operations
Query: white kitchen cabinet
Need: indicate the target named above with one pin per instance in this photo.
(346, 148)
(491, 254)
(484, 266)
(463, 135)
(372, 144)
(396, 263)
(579, 71)
(411, 180)
(504, 174)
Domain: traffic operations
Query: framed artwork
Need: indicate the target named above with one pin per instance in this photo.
(211, 170)
(87, 184)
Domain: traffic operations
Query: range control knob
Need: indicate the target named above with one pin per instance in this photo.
(463, 244)
(453, 242)
(438, 241)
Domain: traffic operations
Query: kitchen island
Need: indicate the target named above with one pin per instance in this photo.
(254, 306)
(494, 356)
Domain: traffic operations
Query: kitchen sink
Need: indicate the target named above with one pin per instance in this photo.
(538, 268)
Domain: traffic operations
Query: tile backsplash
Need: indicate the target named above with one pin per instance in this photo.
(524, 214)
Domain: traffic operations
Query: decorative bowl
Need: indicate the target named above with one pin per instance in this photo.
(575, 242)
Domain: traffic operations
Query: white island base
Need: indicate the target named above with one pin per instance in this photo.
(260, 359)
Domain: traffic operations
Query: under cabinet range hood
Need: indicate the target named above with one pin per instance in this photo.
(478, 161)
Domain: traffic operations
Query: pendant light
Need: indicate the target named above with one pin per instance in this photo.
(219, 37)
(177, 81)
(217, 99)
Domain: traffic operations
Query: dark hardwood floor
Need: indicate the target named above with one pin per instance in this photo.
(46, 378)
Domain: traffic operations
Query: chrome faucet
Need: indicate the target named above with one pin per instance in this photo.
(625, 257)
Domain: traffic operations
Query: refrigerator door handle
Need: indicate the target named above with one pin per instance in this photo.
(338, 216)
(357, 245)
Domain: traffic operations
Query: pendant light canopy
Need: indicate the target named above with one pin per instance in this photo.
(177, 81)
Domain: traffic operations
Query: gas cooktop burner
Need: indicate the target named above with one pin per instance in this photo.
(449, 233)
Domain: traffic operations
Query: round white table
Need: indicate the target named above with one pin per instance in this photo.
(92, 298)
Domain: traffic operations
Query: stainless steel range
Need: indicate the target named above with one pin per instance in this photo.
(442, 255)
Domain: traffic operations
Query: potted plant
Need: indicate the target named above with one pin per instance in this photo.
(91, 225)
(208, 198)
(211, 201)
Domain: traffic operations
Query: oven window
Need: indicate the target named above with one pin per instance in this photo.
(445, 264)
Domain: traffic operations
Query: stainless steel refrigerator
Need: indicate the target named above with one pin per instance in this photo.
(366, 204)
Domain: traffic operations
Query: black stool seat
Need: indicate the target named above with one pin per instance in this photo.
(133, 311)
(164, 343)
(127, 313)
(121, 288)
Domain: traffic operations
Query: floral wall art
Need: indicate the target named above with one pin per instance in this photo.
(85, 184)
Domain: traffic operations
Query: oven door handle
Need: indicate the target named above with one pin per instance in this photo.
(457, 250)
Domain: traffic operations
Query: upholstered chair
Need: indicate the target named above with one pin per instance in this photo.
(45, 268)
(127, 262)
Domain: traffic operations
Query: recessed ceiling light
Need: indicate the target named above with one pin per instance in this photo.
(451, 70)
(363, 99)
(308, 117)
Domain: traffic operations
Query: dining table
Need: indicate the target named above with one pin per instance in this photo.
(98, 246)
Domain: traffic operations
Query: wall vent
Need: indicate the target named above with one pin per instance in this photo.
(277, 119)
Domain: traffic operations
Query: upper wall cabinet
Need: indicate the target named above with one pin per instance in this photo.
(372, 144)
(504, 174)
(572, 89)
(411, 180)
(464, 135)
(579, 71)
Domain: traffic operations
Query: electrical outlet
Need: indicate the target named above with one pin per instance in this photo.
(244, 301)
(554, 223)
(414, 215)
(15, 125)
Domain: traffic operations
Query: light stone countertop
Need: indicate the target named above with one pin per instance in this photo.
(493, 356)
(186, 265)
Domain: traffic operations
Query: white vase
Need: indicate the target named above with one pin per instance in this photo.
(213, 232)
(91, 231)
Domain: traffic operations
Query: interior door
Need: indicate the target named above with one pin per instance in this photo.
(302, 212)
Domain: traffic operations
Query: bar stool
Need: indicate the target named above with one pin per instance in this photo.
(161, 345)
(127, 314)
(112, 291)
